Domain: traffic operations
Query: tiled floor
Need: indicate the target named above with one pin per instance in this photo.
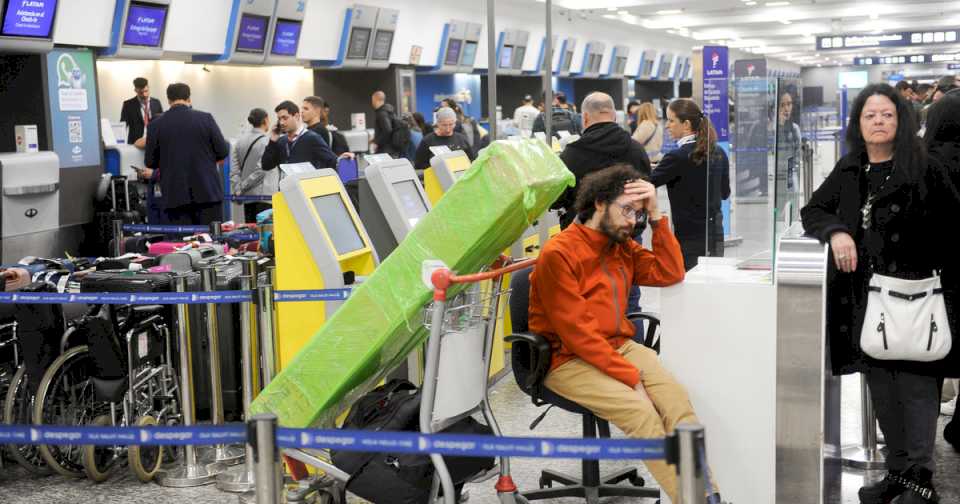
(514, 413)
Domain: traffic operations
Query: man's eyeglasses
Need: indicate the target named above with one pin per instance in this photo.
(629, 212)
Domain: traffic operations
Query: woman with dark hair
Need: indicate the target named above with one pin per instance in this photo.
(246, 177)
(943, 143)
(697, 176)
(883, 211)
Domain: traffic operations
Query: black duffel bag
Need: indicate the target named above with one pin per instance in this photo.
(401, 478)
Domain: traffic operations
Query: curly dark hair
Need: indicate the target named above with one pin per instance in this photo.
(603, 186)
(909, 154)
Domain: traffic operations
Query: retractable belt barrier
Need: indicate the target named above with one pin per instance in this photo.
(346, 440)
(169, 298)
(239, 198)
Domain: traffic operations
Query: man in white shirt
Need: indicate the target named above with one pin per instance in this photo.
(525, 115)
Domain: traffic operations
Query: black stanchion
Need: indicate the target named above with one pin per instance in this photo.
(117, 238)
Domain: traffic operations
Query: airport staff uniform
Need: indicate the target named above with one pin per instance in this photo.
(577, 294)
(187, 144)
(137, 115)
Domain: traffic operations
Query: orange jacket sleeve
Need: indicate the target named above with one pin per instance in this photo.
(576, 326)
(663, 266)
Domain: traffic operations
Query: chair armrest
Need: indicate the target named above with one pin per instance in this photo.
(651, 334)
(530, 357)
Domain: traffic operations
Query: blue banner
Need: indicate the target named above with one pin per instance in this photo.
(158, 228)
(248, 198)
(312, 295)
(716, 74)
(74, 113)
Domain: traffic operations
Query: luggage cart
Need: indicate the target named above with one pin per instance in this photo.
(462, 320)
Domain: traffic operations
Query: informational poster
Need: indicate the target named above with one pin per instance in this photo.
(72, 98)
(748, 68)
(752, 150)
(716, 74)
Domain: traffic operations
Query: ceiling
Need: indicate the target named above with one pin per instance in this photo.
(784, 30)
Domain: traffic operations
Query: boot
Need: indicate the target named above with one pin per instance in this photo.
(883, 491)
(951, 433)
(919, 483)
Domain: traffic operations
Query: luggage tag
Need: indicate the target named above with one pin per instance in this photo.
(142, 345)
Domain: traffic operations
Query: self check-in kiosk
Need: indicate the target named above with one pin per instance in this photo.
(284, 36)
(445, 169)
(248, 35)
(618, 61)
(511, 50)
(567, 48)
(30, 205)
(27, 25)
(138, 29)
(592, 58)
(645, 71)
(458, 47)
(320, 243)
(367, 38)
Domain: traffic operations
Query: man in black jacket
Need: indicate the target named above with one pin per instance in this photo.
(291, 142)
(384, 118)
(138, 111)
(443, 134)
(314, 112)
(186, 146)
(602, 144)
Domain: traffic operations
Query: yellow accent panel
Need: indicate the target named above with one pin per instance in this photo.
(554, 230)
(458, 163)
(431, 185)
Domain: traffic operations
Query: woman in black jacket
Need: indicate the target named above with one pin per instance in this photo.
(697, 176)
(883, 210)
(943, 142)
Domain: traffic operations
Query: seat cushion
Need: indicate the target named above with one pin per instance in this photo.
(562, 402)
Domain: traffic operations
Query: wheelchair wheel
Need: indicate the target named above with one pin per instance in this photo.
(100, 461)
(145, 461)
(66, 397)
(18, 409)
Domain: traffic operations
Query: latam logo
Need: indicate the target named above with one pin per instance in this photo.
(715, 58)
(750, 69)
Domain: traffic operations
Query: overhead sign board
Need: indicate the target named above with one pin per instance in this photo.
(907, 58)
(899, 39)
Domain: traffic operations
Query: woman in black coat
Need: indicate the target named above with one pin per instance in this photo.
(943, 142)
(697, 176)
(883, 209)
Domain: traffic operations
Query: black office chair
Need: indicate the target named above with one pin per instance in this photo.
(530, 357)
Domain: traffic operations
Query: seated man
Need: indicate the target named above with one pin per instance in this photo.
(577, 293)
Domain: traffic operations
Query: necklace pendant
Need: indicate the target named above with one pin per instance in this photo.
(865, 213)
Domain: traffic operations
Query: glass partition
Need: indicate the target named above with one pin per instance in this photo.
(788, 186)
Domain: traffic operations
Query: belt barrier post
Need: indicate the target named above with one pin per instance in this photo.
(690, 440)
(265, 323)
(215, 231)
(240, 479)
(266, 456)
(224, 454)
(866, 456)
(117, 238)
(190, 473)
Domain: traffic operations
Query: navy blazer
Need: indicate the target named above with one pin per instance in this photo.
(132, 114)
(185, 145)
(309, 148)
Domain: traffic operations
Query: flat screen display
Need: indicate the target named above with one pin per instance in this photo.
(359, 42)
(506, 57)
(518, 55)
(145, 24)
(382, 42)
(453, 52)
(252, 35)
(343, 232)
(286, 38)
(647, 68)
(621, 65)
(853, 80)
(567, 60)
(29, 18)
(414, 207)
(469, 53)
(596, 63)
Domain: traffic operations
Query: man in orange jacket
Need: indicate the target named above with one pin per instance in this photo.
(577, 294)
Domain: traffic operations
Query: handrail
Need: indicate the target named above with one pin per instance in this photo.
(443, 278)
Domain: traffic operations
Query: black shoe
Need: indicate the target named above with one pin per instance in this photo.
(883, 491)
(951, 433)
(919, 483)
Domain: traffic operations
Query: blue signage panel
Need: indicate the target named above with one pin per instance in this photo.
(72, 98)
(716, 74)
(253, 33)
(900, 39)
(906, 58)
(29, 18)
(286, 37)
(145, 24)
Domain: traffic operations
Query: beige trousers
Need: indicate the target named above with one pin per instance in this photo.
(635, 415)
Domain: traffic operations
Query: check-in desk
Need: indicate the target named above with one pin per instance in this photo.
(29, 204)
(749, 346)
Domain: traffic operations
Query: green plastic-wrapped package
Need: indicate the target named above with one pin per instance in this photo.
(509, 186)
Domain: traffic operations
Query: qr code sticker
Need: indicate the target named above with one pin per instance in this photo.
(75, 130)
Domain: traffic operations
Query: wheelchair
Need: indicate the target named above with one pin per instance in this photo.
(121, 375)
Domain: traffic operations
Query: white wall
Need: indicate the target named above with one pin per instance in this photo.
(227, 92)
(84, 22)
(198, 27)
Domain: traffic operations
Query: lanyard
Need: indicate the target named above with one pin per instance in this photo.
(292, 143)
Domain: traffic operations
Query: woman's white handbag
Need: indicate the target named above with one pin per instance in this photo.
(906, 320)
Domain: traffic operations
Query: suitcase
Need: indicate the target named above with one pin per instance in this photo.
(126, 281)
(138, 244)
(99, 233)
(15, 278)
(131, 262)
(168, 247)
(189, 259)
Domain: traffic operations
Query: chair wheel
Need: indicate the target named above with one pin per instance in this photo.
(638, 481)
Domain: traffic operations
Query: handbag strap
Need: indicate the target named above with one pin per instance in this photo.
(249, 150)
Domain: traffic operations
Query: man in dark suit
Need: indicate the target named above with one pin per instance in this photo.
(292, 142)
(138, 111)
(186, 146)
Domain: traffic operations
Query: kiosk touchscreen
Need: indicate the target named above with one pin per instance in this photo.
(444, 171)
(320, 244)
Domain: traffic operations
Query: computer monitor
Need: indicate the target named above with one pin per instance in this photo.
(506, 57)
(341, 229)
(413, 205)
(35, 21)
(359, 41)
(145, 25)
(567, 60)
(382, 42)
(452, 57)
(469, 53)
(621, 65)
(252, 35)
(518, 56)
(286, 37)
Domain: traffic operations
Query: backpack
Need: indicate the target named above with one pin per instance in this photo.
(564, 120)
(399, 135)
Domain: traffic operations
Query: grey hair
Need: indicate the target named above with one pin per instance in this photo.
(446, 113)
(598, 103)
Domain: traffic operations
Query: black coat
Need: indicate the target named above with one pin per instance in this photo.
(132, 114)
(383, 130)
(186, 144)
(334, 139)
(906, 240)
(309, 148)
(456, 141)
(601, 145)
